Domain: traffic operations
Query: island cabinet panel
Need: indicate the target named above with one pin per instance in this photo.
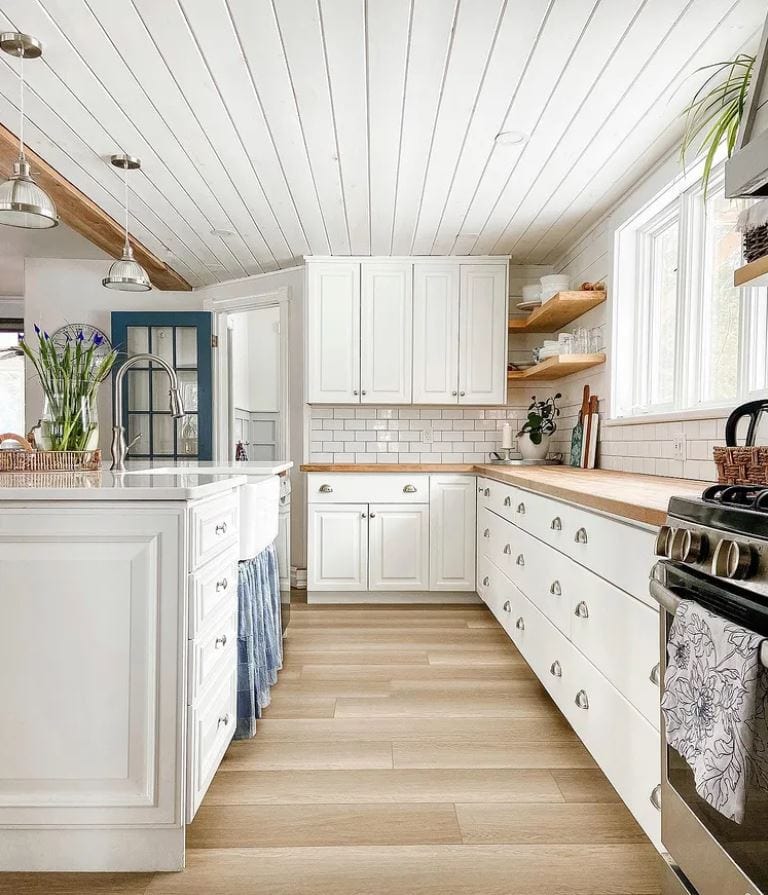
(91, 653)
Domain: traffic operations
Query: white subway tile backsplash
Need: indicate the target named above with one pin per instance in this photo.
(343, 413)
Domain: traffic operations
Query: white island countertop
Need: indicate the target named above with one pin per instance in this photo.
(250, 468)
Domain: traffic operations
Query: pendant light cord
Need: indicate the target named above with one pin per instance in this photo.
(125, 182)
(21, 104)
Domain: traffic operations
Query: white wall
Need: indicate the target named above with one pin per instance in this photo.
(59, 291)
(256, 358)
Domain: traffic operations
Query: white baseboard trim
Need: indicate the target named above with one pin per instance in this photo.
(392, 596)
(115, 850)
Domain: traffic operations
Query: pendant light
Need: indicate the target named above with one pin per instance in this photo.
(22, 202)
(126, 273)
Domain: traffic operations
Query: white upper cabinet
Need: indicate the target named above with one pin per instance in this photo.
(391, 331)
(435, 333)
(483, 334)
(386, 328)
(333, 332)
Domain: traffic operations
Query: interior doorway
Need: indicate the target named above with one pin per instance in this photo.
(12, 384)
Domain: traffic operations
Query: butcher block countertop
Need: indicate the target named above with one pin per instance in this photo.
(640, 498)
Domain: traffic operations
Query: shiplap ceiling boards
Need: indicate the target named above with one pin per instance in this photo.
(271, 129)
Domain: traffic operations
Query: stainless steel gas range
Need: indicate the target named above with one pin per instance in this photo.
(714, 550)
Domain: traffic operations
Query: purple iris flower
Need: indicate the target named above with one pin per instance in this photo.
(45, 335)
(80, 336)
(37, 329)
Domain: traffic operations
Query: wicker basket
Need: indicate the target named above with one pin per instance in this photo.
(742, 465)
(28, 460)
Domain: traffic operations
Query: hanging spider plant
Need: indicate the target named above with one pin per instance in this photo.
(713, 117)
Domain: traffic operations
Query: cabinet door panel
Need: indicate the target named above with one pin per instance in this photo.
(338, 547)
(483, 334)
(435, 334)
(399, 547)
(333, 333)
(452, 532)
(386, 333)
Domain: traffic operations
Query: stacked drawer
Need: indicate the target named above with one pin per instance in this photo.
(212, 648)
(592, 644)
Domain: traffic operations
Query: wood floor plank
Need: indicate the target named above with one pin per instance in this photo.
(446, 705)
(494, 754)
(500, 657)
(392, 638)
(417, 673)
(520, 682)
(351, 655)
(347, 687)
(296, 706)
(270, 755)
(74, 883)
(427, 870)
(585, 786)
(286, 826)
(545, 824)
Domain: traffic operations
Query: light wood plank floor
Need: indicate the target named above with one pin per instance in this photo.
(407, 750)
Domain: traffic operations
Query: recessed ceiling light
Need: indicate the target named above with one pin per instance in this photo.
(222, 233)
(510, 138)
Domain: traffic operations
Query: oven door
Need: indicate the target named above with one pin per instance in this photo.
(718, 856)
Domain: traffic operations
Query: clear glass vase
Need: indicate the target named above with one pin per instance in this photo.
(70, 420)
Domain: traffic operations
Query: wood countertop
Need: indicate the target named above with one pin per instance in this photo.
(640, 498)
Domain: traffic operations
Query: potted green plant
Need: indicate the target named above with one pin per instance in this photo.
(715, 112)
(539, 426)
(70, 379)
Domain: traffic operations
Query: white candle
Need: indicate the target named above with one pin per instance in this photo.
(506, 436)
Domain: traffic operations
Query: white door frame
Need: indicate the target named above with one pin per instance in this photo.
(222, 308)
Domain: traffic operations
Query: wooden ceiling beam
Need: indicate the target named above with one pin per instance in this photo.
(83, 215)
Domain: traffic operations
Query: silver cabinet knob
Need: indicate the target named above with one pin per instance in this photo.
(487, 533)
(581, 536)
(655, 675)
(363, 515)
(556, 524)
(372, 515)
(520, 624)
(581, 700)
(409, 489)
(224, 719)
(454, 393)
(221, 528)
(461, 394)
(486, 581)
(507, 607)
(520, 560)
(355, 392)
(555, 589)
(582, 610)
(325, 489)
(363, 392)
(507, 501)
(508, 549)
(556, 669)
(220, 642)
(656, 797)
(487, 492)
(222, 585)
(521, 509)
(480, 489)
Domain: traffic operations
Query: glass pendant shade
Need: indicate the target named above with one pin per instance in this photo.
(127, 274)
(23, 203)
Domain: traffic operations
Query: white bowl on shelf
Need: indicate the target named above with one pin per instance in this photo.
(532, 292)
(551, 284)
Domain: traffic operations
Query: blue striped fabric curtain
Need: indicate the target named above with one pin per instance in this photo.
(259, 637)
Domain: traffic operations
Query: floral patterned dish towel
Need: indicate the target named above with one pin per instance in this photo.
(714, 706)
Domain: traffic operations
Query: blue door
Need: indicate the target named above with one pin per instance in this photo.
(183, 339)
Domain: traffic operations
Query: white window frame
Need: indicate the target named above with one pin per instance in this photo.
(632, 357)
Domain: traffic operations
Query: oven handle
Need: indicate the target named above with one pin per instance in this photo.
(670, 601)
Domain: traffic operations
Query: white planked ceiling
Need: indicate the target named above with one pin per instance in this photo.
(362, 126)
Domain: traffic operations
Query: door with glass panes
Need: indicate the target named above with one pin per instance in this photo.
(183, 339)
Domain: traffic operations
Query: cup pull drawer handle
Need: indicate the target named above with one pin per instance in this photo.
(520, 560)
(581, 536)
(487, 492)
(221, 528)
(507, 607)
(325, 489)
(222, 585)
(656, 797)
(556, 524)
(655, 676)
(220, 642)
(521, 509)
(555, 589)
(582, 610)
(508, 549)
(486, 581)
(224, 719)
(581, 700)
(487, 533)
(409, 489)
(507, 501)
(556, 669)
(520, 624)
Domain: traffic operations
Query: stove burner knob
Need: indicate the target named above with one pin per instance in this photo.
(664, 540)
(688, 546)
(733, 560)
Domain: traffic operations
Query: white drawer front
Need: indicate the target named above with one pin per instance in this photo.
(499, 497)
(214, 527)
(363, 487)
(209, 588)
(213, 650)
(211, 725)
(495, 590)
(619, 635)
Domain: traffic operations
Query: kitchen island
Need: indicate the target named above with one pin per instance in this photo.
(118, 660)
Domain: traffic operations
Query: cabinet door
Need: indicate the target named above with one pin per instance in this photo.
(338, 547)
(452, 532)
(333, 332)
(435, 333)
(386, 324)
(398, 547)
(483, 334)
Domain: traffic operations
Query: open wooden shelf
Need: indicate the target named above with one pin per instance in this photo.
(753, 274)
(554, 314)
(557, 367)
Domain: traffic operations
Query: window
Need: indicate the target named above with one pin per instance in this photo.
(11, 378)
(685, 339)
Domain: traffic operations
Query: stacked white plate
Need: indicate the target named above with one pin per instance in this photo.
(531, 297)
(551, 284)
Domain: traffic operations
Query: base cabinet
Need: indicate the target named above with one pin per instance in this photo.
(338, 547)
(452, 520)
(398, 547)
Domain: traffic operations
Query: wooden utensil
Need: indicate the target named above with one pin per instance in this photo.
(594, 423)
(585, 426)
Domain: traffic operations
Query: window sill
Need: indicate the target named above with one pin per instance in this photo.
(679, 416)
